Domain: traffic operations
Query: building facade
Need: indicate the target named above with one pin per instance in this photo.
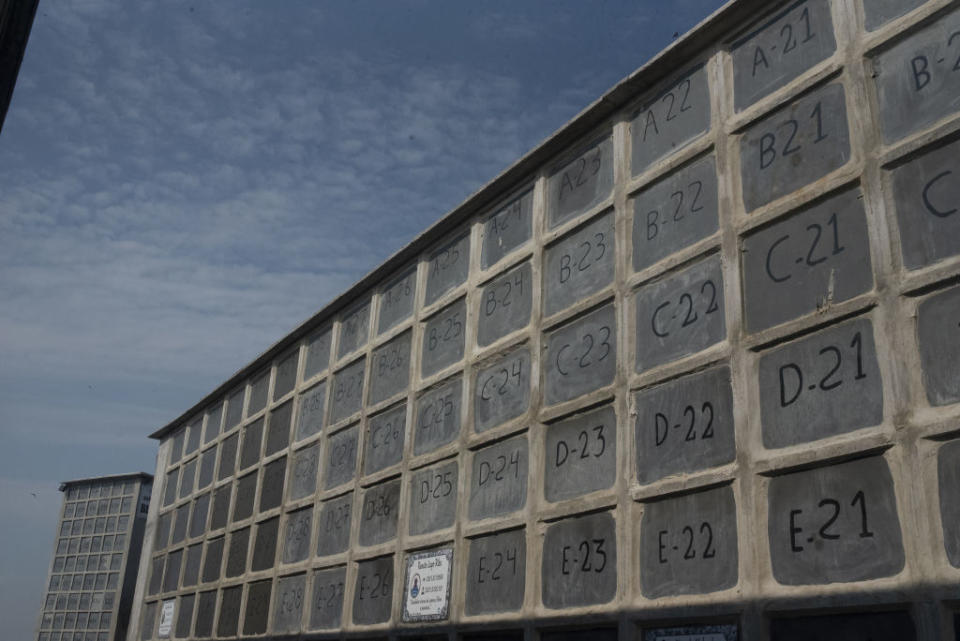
(688, 370)
(96, 556)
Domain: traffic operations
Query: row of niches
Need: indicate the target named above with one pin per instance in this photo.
(94, 507)
(94, 525)
(79, 601)
(76, 621)
(88, 563)
(840, 523)
(88, 544)
(99, 490)
(91, 580)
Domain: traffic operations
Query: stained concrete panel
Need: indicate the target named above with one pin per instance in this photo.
(237, 552)
(296, 535)
(502, 390)
(214, 419)
(310, 418)
(581, 356)
(162, 537)
(170, 488)
(347, 395)
(834, 524)
(506, 229)
(948, 477)
(396, 300)
(917, 79)
(675, 212)
(579, 562)
(581, 455)
(234, 408)
(580, 264)
(391, 368)
(504, 305)
(433, 498)
(580, 183)
(795, 146)
(278, 429)
(498, 482)
(336, 517)
(378, 513)
(171, 571)
(443, 338)
(318, 354)
(780, 49)
(353, 330)
(220, 513)
(438, 416)
(258, 392)
(180, 522)
(688, 544)
(252, 443)
(265, 545)
(258, 607)
(326, 607)
(149, 621)
(879, 12)
(872, 626)
(184, 615)
(341, 463)
(825, 384)
(685, 425)
(926, 193)
(286, 376)
(246, 492)
(206, 607)
(228, 456)
(496, 573)
(303, 478)
(271, 489)
(671, 120)
(373, 591)
(288, 601)
(213, 560)
(198, 517)
(680, 315)
(815, 258)
(208, 461)
(386, 434)
(191, 565)
(229, 621)
(447, 268)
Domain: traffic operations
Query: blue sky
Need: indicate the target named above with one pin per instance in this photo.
(181, 184)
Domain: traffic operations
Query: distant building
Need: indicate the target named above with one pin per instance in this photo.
(16, 18)
(95, 560)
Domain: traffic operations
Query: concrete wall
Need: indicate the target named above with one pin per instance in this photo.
(693, 363)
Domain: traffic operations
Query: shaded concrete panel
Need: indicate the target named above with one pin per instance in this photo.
(396, 301)
(433, 498)
(384, 442)
(579, 265)
(447, 268)
(504, 305)
(334, 524)
(286, 376)
(581, 455)
(353, 330)
(879, 12)
(496, 573)
(443, 338)
(258, 607)
(347, 394)
(688, 545)
(326, 607)
(206, 607)
(303, 478)
(271, 489)
(825, 384)
(288, 602)
(258, 392)
(310, 418)
(579, 565)
(580, 356)
(675, 212)
(685, 425)
(278, 429)
(498, 482)
(296, 535)
(581, 183)
(318, 354)
(373, 591)
(809, 261)
(438, 416)
(670, 120)
(506, 229)
(341, 463)
(948, 482)
(229, 621)
(502, 390)
(834, 524)
(391, 368)
(378, 518)
(265, 545)
(252, 443)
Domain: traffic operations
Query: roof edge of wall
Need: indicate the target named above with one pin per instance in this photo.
(109, 477)
(698, 39)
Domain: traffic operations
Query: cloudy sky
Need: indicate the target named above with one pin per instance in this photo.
(181, 184)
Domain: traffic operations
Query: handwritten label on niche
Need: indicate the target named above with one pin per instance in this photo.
(685, 425)
(427, 594)
(433, 498)
(386, 433)
(579, 265)
(391, 368)
(918, 79)
(353, 330)
(443, 338)
(809, 261)
(689, 544)
(496, 573)
(822, 385)
(378, 519)
(347, 390)
(505, 305)
(438, 416)
(396, 301)
(507, 229)
(671, 120)
(581, 454)
(502, 390)
(447, 268)
(680, 315)
(582, 183)
(326, 610)
(835, 524)
(794, 146)
(499, 481)
(939, 350)
(781, 49)
(581, 356)
(580, 561)
(373, 591)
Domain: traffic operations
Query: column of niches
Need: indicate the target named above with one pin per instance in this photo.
(813, 311)
(572, 551)
(494, 511)
(913, 92)
(682, 313)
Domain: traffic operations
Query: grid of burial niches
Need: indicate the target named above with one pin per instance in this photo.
(441, 396)
(88, 563)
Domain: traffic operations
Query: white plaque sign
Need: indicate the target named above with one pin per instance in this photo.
(427, 593)
(693, 633)
(166, 618)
